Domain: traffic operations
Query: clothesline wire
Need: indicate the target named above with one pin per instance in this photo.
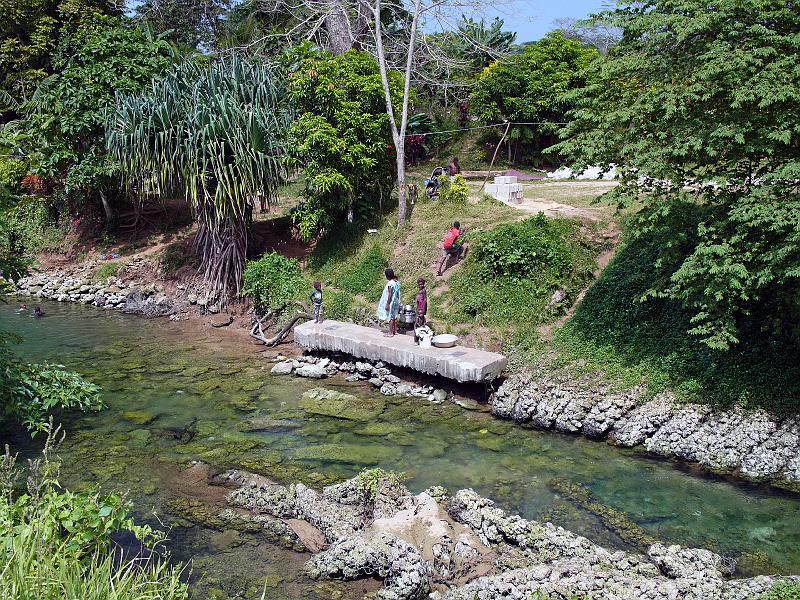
(483, 127)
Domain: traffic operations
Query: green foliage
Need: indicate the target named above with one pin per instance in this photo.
(106, 270)
(453, 191)
(512, 271)
(784, 590)
(341, 138)
(187, 23)
(12, 170)
(29, 392)
(614, 331)
(58, 543)
(29, 229)
(29, 34)
(215, 133)
(368, 480)
(272, 281)
(532, 87)
(707, 98)
(362, 277)
(67, 115)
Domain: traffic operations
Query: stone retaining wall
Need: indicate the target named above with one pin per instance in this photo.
(750, 444)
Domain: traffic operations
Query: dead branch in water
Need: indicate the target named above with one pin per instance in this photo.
(257, 331)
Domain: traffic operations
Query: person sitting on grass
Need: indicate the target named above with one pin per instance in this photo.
(316, 301)
(452, 245)
(389, 304)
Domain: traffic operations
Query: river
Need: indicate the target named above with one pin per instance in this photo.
(158, 377)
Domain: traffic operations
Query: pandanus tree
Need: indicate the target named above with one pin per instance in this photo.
(215, 133)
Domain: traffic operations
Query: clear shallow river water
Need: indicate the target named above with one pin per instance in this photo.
(156, 377)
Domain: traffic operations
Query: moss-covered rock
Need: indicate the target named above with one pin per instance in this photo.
(197, 512)
(495, 443)
(321, 401)
(379, 429)
(139, 417)
(349, 454)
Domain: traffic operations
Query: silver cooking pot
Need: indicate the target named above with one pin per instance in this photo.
(407, 314)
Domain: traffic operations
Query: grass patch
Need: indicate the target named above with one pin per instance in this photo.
(635, 342)
(106, 270)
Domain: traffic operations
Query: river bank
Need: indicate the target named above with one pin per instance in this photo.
(751, 445)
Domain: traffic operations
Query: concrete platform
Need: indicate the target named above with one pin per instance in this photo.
(460, 363)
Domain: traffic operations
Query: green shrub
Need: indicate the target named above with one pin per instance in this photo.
(28, 392)
(784, 590)
(29, 229)
(512, 271)
(615, 331)
(454, 190)
(337, 305)
(361, 277)
(12, 171)
(519, 250)
(106, 270)
(58, 544)
(272, 281)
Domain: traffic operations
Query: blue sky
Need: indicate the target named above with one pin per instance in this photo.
(532, 19)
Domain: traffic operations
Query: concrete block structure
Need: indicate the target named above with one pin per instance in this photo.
(459, 363)
(506, 189)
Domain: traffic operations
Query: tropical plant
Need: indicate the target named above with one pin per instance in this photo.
(65, 119)
(272, 281)
(30, 32)
(187, 23)
(531, 87)
(700, 108)
(29, 392)
(58, 543)
(454, 190)
(341, 138)
(216, 133)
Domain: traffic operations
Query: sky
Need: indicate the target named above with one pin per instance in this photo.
(532, 19)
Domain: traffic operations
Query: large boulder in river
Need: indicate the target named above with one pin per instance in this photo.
(321, 401)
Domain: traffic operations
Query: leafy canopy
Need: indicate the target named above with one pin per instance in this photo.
(531, 87)
(68, 113)
(341, 138)
(701, 106)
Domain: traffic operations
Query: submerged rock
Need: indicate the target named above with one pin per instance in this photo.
(321, 401)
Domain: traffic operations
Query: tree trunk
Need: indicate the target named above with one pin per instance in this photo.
(402, 209)
(338, 28)
(107, 209)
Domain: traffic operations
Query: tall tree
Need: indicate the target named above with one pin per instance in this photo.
(700, 106)
(188, 23)
(216, 134)
(531, 87)
(66, 117)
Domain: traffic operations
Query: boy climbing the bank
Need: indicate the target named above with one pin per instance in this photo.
(452, 245)
(316, 300)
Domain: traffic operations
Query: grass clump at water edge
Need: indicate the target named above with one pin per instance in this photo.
(58, 544)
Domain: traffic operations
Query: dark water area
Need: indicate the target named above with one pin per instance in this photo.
(161, 379)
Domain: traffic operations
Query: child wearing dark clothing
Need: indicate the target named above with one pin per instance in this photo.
(316, 300)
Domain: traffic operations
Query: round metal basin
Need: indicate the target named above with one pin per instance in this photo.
(444, 340)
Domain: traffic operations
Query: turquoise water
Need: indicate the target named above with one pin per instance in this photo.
(159, 379)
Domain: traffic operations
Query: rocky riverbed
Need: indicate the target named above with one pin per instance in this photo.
(461, 546)
(750, 444)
